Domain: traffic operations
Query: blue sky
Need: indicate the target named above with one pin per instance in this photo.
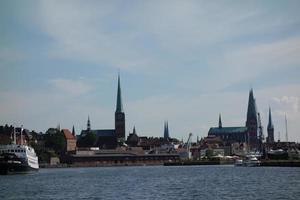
(181, 61)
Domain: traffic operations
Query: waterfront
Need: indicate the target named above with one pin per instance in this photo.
(154, 182)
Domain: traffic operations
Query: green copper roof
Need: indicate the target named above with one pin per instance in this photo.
(227, 130)
(119, 107)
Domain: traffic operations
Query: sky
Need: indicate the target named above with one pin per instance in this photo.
(180, 61)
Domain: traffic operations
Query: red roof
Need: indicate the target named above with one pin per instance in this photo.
(68, 135)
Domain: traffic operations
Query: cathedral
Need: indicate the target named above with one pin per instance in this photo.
(106, 138)
(242, 134)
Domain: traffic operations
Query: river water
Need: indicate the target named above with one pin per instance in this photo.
(155, 182)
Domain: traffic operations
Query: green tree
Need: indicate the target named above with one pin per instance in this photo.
(55, 141)
(89, 140)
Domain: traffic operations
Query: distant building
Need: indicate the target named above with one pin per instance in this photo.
(7, 135)
(70, 140)
(119, 116)
(252, 123)
(166, 132)
(107, 138)
(103, 138)
(132, 139)
(229, 135)
(241, 134)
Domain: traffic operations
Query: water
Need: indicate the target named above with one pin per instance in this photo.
(154, 182)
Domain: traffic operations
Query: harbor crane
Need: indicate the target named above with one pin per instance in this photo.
(188, 146)
(260, 133)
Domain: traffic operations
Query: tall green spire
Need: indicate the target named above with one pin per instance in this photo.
(119, 107)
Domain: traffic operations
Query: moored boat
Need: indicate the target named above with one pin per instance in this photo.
(17, 159)
(238, 162)
(251, 161)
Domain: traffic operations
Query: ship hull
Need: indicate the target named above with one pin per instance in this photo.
(13, 168)
(10, 164)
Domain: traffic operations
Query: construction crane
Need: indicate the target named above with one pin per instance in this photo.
(188, 146)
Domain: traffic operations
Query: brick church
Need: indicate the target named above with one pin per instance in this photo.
(243, 134)
(106, 138)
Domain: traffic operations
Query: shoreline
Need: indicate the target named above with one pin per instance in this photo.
(264, 163)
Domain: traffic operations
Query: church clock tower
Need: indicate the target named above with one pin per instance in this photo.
(119, 116)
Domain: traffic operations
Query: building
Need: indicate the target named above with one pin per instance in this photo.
(166, 132)
(70, 140)
(7, 134)
(119, 116)
(241, 134)
(270, 128)
(229, 135)
(252, 122)
(106, 138)
(132, 139)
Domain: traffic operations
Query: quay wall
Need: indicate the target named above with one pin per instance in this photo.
(280, 163)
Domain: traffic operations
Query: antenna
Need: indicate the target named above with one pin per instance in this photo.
(21, 136)
(286, 130)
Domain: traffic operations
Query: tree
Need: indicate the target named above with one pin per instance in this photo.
(55, 141)
(89, 140)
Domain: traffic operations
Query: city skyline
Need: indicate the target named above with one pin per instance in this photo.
(181, 62)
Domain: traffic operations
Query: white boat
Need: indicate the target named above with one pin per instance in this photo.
(238, 163)
(16, 158)
(251, 161)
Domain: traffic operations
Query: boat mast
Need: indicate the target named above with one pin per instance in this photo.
(21, 136)
(14, 132)
(286, 130)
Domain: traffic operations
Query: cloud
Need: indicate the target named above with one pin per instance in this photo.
(73, 87)
(287, 104)
(166, 37)
(265, 56)
(186, 50)
(40, 110)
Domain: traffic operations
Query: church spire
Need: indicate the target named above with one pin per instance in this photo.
(270, 124)
(119, 107)
(73, 131)
(252, 122)
(251, 112)
(270, 129)
(220, 121)
(88, 128)
(119, 116)
(166, 131)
